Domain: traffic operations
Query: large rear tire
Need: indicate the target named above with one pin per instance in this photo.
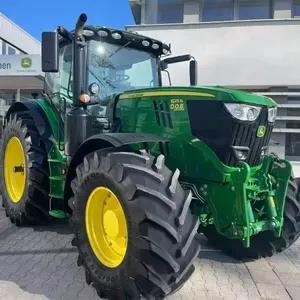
(264, 244)
(160, 244)
(24, 171)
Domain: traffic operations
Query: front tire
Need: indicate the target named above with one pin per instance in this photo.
(25, 188)
(264, 244)
(161, 243)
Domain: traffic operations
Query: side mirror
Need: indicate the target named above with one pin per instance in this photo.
(177, 59)
(50, 52)
(193, 72)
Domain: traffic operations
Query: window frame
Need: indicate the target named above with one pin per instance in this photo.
(270, 4)
(56, 97)
(6, 45)
(230, 4)
(295, 2)
(235, 4)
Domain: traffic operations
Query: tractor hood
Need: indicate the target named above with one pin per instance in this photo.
(208, 92)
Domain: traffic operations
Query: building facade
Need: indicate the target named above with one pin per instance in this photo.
(20, 64)
(244, 44)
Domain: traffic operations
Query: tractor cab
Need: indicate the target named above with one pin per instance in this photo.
(109, 63)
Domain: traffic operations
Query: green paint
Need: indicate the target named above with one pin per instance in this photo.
(220, 94)
(56, 158)
(52, 115)
(238, 200)
(59, 214)
(57, 163)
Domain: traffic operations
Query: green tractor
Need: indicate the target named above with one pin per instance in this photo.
(140, 169)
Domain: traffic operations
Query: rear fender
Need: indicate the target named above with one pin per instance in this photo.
(39, 116)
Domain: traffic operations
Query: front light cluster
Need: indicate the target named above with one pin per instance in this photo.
(272, 114)
(243, 112)
(246, 112)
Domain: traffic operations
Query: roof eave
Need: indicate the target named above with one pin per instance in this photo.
(136, 8)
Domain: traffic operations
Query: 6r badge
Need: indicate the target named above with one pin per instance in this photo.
(261, 131)
(177, 105)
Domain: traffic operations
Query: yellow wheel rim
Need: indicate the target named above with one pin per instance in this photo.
(14, 169)
(106, 227)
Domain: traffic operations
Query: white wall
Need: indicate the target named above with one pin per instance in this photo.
(15, 35)
(239, 53)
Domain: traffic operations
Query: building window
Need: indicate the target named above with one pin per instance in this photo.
(11, 51)
(7, 97)
(217, 10)
(292, 146)
(252, 9)
(170, 11)
(296, 9)
(3, 48)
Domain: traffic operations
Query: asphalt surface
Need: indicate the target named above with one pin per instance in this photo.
(40, 263)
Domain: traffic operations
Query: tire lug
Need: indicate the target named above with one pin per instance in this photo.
(88, 278)
(79, 261)
(74, 242)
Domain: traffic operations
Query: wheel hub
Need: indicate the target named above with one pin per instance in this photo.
(14, 169)
(111, 223)
(106, 227)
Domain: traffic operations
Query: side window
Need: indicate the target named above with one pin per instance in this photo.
(66, 73)
(58, 84)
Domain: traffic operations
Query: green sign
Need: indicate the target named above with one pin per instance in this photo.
(26, 62)
(261, 131)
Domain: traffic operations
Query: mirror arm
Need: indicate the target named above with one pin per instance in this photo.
(63, 32)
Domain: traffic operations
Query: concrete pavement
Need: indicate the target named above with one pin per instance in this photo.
(40, 263)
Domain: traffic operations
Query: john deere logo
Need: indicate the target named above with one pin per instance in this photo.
(26, 62)
(261, 131)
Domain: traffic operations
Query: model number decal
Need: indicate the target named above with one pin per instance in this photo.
(177, 105)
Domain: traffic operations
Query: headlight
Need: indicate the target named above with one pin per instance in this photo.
(243, 112)
(272, 113)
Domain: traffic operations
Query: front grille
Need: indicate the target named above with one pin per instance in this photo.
(214, 125)
(246, 135)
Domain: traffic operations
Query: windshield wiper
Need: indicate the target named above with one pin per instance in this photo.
(120, 48)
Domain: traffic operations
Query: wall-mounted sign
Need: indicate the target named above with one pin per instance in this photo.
(20, 65)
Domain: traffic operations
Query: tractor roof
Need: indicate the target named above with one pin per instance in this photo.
(128, 39)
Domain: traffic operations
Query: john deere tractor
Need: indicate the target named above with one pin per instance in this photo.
(140, 169)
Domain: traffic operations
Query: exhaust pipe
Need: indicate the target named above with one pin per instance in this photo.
(79, 25)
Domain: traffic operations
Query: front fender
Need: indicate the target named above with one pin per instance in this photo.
(101, 141)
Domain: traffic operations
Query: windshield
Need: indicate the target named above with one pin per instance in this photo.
(118, 68)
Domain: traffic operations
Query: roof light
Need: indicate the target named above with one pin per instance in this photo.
(88, 32)
(165, 51)
(102, 32)
(116, 35)
(155, 46)
(146, 43)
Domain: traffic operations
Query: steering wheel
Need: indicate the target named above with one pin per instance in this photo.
(119, 78)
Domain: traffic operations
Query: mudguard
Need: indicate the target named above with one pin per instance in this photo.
(105, 140)
(39, 116)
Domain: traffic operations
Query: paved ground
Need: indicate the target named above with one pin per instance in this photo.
(40, 264)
